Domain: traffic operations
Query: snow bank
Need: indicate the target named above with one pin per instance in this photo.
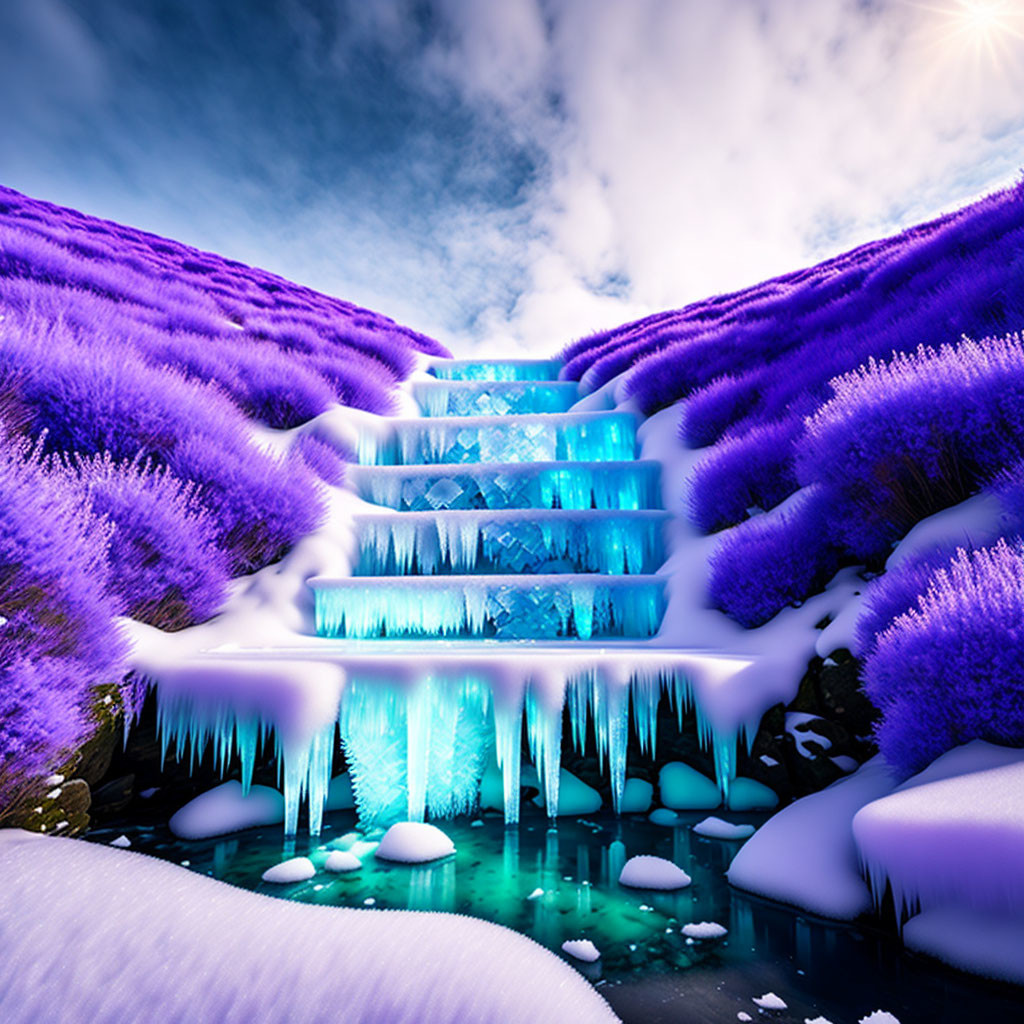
(805, 855)
(647, 872)
(172, 945)
(704, 930)
(952, 835)
(224, 809)
(982, 942)
(414, 842)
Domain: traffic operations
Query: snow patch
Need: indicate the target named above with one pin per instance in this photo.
(704, 930)
(342, 861)
(716, 828)
(414, 842)
(226, 808)
(647, 872)
(297, 869)
(582, 949)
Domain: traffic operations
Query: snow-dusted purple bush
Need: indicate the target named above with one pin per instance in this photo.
(951, 669)
(772, 560)
(754, 470)
(903, 439)
(166, 567)
(58, 639)
(91, 402)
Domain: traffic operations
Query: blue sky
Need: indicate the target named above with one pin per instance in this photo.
(515, 172)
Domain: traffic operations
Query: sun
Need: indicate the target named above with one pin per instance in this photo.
(989, 31)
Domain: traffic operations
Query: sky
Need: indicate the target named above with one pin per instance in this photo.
(508, 175)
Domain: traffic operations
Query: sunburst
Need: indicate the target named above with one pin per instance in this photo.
(989, 33)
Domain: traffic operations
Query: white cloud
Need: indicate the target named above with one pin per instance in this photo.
(702, 146)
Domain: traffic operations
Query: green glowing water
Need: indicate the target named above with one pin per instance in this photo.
(649, 971)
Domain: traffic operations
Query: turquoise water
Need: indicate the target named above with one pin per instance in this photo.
(648, 971)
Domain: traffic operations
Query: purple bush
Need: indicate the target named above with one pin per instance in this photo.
(951, 669)
(164, 562)
(766, 563)
(903, 439)
(58, 639)
(754, 470)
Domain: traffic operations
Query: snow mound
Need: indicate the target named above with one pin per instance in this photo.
(203, 951)
(342, 860)
(770, 1001)
(122, 842)
(575, 797)
(805, 854)
(704, 930)
(952, 835)
(647, 872)
(224, 809)
(981, 942)
(716, 828)
(414, 842)
(582, 949)
(298, 869)
(636, 796)
(751, 795)
(879, 1017)
(685, 789)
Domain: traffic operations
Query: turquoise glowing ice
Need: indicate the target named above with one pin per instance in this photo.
(510, 541)
(538, 485)
(508, 369)
(509, 607)
(494, 398)
(568, 436)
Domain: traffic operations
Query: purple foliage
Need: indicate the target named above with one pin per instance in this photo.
(766, 563)
(322, 458)
(754, 470)
(903, 439)
(165, 565)
(951, 669)
(91, 402)
(58, 639)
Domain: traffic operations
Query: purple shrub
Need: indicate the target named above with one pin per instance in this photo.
(901, 440)
(165, 566)
(58, 639)
(754, 470)
(951, 669)
(766, 563)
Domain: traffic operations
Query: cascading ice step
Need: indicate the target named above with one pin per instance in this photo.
(549, 437)
(527, 541)
(493, 398)
(498, 607)
(517, 485)
(503, 369)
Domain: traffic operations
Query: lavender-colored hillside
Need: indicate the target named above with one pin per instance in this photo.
(132, 368)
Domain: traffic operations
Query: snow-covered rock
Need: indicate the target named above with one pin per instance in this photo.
(805, 854)
(582, 949)
(879, 1017)
(199, 950)
(751, 795)
(951, 835)
(122, 841)
(414, 842)
(342, 861)
(575, 797)
(297, 869)
(647, 872)
(716, 828)
(637, 795)
(223, 809)
(683, 788)
(770, 1001)
(704, 930)
(982, 942)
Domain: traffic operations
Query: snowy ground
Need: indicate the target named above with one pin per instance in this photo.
(93, 934)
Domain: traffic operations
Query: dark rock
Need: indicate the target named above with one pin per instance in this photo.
(113, 796)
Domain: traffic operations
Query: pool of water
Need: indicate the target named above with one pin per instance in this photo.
(649, 971)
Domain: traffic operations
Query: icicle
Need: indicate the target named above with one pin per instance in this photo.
(419, 719)
(544, 731)
(508, 731)
(645, 692)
